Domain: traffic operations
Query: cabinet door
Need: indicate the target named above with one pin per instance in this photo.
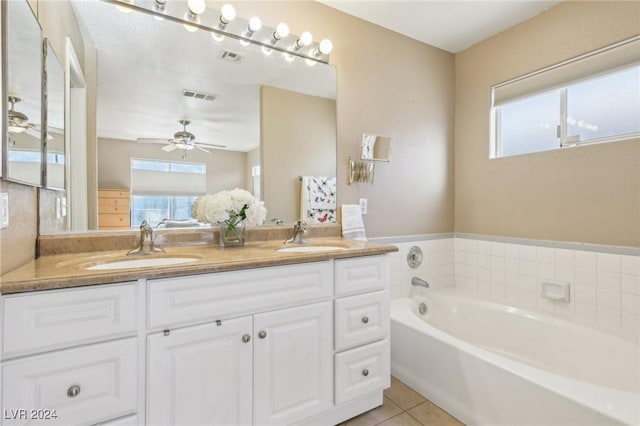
(201, 375)
(293, 364)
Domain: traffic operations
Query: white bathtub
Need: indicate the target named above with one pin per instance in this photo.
(492, 364)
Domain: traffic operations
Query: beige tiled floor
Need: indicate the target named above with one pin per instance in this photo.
(402, 406)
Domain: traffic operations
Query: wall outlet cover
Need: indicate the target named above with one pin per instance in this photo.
(363, 205)
(4, 210)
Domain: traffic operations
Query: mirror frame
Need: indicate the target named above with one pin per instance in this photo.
(5, 94)
(47, 51)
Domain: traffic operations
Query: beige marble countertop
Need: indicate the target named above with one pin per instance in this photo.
(70, 270)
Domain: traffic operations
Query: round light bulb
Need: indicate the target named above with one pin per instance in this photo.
(255, 24)
(305, 39)
(196, 6)
(227, 13)
(325, 47)
(282, 30)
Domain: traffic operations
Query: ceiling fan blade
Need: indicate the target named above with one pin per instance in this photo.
(169, 148)
(211, 145)
(153, 140)
(202, 149)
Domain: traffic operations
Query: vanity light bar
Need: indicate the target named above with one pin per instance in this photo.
(224, 23)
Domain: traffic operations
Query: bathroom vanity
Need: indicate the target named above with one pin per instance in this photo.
(239, 337)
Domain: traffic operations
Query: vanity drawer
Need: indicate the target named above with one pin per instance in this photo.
(80, 386)
(361, 319)
(361, 274)
(220, 295)
(52, 319)
(362, 370)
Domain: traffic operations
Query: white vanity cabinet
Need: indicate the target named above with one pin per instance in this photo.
(274, 345)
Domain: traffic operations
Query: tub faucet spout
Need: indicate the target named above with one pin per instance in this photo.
(419, 282)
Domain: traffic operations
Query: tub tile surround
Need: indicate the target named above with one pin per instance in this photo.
(604, 280)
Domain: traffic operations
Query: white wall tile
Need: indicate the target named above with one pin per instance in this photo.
(546, 271)
(512, 251)
(630, 284)
(609, 281)
(498, 292)
(545, 254)
(585, 260)
(497, 249)
(498, 262)
(528, 299)
(528, 253)
(512, 279)
(564, 258)
(498, 276)
(586, 277)
(529, 283)
(528, 267)
(585, 294)
(512, 264)
(630, 303)
(608, 262)
(631, 323)
(608, 299)
(564, 274)
(630, 265)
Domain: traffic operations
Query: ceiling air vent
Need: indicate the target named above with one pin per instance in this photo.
(198, 95)
(232, 57)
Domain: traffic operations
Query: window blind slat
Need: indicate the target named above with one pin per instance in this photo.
(621, 55)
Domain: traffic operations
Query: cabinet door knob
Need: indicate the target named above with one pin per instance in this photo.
(262, 334)
(73, 391)
(246, 338)
(365, 320)
(365, 372)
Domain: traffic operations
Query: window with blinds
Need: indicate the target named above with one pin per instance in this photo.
(593, 98)
(164, 190)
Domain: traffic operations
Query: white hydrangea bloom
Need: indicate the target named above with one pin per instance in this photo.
(224, 205)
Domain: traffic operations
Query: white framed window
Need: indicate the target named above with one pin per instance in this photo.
(591, 99)
(164, 190)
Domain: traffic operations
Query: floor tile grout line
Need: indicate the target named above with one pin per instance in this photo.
(413, 417)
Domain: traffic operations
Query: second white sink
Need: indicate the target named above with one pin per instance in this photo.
(142, 263)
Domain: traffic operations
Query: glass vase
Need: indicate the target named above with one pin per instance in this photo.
(232, 234)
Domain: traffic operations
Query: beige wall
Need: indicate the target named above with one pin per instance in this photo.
(587, 194)
(225, 169)
(388, 84)
(298, 134)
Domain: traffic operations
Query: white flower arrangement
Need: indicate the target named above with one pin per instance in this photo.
(230, 208)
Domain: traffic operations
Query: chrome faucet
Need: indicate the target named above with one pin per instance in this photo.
(419, 282)
(146, 242)
(299, 230)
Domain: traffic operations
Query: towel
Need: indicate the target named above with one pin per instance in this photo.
(318, 199)
(352, 224)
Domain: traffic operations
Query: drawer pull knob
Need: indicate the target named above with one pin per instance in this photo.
(262, 334)
(365, 320)
(73, 391)
(246, 338)
(365, 372)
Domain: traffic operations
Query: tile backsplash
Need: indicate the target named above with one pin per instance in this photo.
(604, 285)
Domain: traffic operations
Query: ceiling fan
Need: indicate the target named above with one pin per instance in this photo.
(19, 122)
(183, 140)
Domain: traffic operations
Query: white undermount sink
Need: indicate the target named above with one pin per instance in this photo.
(309, 249)
(142, 263)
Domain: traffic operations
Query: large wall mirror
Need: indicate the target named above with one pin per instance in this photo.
(23, 148)
(158, 80)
